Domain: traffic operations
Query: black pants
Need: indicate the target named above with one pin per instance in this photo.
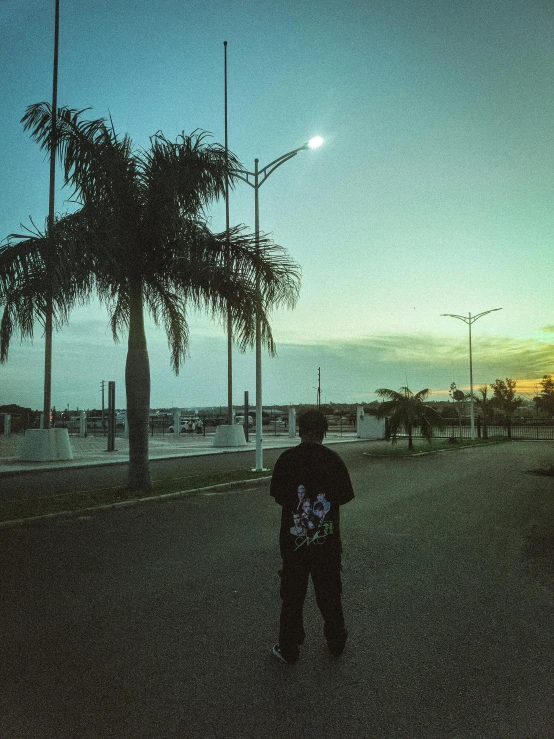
(328, 588)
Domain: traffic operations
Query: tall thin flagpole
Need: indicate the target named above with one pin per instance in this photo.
(229, 320)
(471, 384)
(51, 246)
(259, 411)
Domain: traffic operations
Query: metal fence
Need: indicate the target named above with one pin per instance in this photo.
(528, 429)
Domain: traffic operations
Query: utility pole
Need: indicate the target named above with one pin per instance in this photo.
(318, 388)
(111, 416)
(103, 384)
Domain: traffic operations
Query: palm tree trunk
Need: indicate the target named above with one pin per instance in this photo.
(410, 440)
(137, 385)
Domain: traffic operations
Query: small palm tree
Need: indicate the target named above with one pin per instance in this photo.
(485, 405)
(145, 239)
(407, 410)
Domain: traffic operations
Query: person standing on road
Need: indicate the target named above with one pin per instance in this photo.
(314, 550)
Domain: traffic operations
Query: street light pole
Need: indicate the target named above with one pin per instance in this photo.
(259, 412)
(469, 319)
(256, 179)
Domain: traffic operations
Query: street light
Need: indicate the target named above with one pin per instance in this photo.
(256, 179)
(469, 319)
(315, 142)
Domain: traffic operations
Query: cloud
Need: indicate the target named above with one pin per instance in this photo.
(356, 368)
(351, 369)
(524, 357)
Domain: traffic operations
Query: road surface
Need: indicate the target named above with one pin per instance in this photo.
(157, 622)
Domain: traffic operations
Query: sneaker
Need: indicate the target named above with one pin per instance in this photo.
(337, 648)
(277, 653)
(337, 643)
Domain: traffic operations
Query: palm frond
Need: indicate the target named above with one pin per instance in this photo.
(186, 172)
(222, 275)
(422, 394)
(46, 269)
(169, 308)
(390, 394)
(98, 165)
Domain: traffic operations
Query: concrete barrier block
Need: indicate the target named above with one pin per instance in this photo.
(46, 445)
(227, 435)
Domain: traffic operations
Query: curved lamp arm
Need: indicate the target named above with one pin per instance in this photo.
(264, 173)
(470, 319)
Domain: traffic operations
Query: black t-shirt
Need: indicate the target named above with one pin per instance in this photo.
(310, 481)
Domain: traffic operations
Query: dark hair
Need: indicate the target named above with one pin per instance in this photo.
(313, 422)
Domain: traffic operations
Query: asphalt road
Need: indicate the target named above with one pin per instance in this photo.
(157, 621)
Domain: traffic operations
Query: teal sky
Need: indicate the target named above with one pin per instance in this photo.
(432, 194)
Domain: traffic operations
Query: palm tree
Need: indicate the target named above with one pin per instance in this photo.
(406, 409)
(459, 398)
(146, 239)
(485, 405)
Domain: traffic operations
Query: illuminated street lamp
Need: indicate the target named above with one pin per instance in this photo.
(256, 179)
(314, 143)
(469, 319)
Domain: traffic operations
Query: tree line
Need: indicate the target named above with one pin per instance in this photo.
(408, 411)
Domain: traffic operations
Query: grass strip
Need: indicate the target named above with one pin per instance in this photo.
(12, 510)
(421, 446)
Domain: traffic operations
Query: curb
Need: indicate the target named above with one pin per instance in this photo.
(101, 463)
(220, 487)
(434, 451)
(55, 465)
